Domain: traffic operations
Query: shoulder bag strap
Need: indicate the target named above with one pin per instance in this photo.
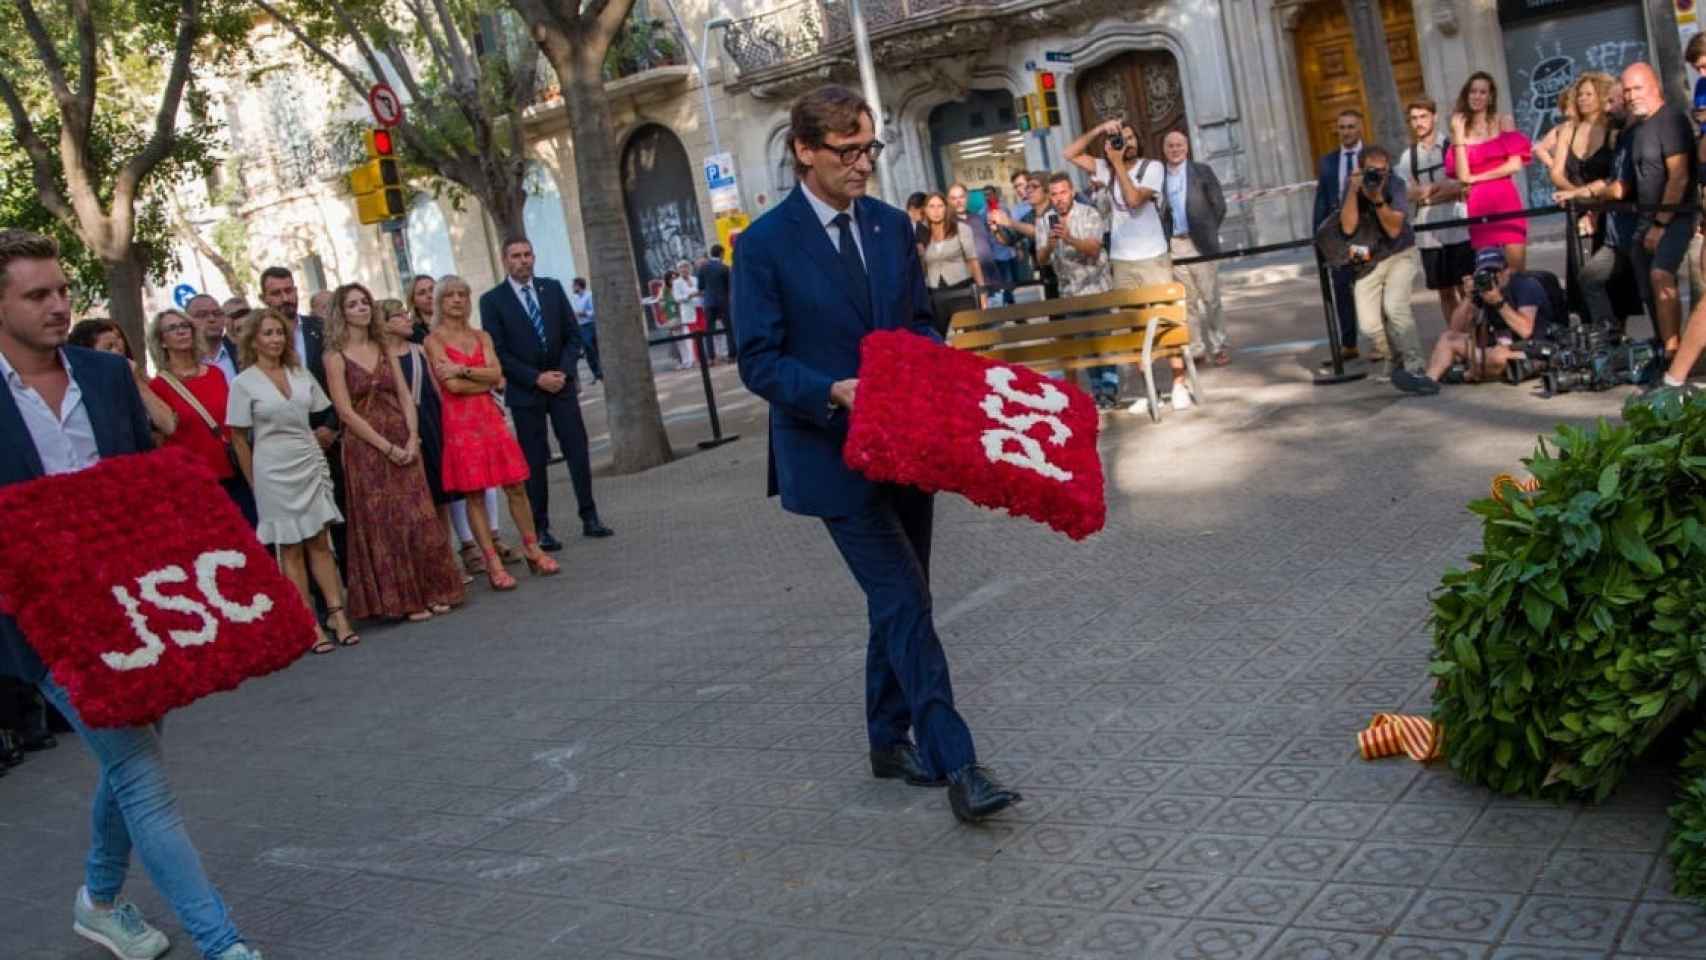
(416, 372)
(190, 398)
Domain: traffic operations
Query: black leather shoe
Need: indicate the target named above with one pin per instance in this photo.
(901, 762)
(974, 793)
(549, 543)
(11, 754)
(591, 527)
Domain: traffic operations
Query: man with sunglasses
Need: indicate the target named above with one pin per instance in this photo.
(812, 277)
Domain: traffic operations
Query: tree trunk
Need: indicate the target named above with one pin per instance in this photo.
(1386, 125)
(637, 437)
(124, 299)
(507, 209)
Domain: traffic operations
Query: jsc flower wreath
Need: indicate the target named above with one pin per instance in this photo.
(142, 588)
(1004, 436)
(1578, 636)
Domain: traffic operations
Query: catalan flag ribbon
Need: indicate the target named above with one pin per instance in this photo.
(1528, 484)
(1390, 734)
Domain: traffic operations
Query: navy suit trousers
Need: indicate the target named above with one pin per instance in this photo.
(563, 410)
(887, 547)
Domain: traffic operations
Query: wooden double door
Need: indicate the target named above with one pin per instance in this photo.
(1143, 86)
(1330, 75)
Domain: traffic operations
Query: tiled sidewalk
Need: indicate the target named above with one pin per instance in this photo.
(660, 753)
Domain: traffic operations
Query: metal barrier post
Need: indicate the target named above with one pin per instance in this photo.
(1334, 344)
(717, 438)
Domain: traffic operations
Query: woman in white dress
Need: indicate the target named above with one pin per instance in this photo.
(268, 415)
(685, 289)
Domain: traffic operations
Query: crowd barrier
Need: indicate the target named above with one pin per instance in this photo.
(699, 334)
(1337, 373)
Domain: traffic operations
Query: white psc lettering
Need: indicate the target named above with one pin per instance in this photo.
(207, 567)
(1015, 427)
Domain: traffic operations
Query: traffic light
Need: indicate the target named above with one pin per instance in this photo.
(1027, 113)
(377, 184)
(1048, 100)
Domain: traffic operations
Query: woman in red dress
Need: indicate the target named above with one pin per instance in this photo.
(479, 449)
(397, 561)
(1489, 153)
(197, 395)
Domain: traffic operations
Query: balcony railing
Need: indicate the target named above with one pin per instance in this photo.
(810, 28)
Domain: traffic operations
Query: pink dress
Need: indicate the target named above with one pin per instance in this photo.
(1497, 196)
(479, 450)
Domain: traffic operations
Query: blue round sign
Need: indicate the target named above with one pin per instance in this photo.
(182, 293)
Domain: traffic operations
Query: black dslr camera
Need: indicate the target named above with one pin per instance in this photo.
(1586, 356)
(1485, 281)
(1116, 140)
(1373, 176)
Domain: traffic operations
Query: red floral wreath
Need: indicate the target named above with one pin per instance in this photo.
(1004, 436)
(142, 588)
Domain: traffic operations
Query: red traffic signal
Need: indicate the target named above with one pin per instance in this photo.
(379, 143)
(1045, 80)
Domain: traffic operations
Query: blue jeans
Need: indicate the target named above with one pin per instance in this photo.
(134, 806)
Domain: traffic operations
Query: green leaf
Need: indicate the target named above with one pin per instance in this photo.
(1608, 481)
(1537, 609)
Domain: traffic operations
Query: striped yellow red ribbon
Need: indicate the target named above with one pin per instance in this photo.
(1390, 734)
(1528, 484)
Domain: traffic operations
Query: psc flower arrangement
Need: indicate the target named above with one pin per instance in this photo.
(1001, 435)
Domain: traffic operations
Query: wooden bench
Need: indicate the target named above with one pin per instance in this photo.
(1138, 326)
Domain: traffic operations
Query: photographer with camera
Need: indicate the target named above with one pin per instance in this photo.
(1371, 235)
(1502, 308)
(1069, 238)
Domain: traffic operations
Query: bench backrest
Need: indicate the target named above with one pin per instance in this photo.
(1073, 332)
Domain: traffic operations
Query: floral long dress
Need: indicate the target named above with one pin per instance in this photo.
(399, 559)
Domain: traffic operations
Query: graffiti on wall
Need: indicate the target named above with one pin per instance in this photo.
(663, 210)
(668, 232)
(1544, 68)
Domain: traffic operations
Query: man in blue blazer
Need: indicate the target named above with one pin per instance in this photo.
(1330, 183)
(812, 277)
(62, 409)
(539, 344)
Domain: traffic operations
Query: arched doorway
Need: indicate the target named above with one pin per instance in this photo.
(977, 140)
(1330, 76)
(1142, 86)
(547, 228)
(430, 250)
(663, 210)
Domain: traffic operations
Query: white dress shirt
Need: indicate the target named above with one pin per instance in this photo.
(826, 215)
(65, 441)
(223, 359)
(1347, 163)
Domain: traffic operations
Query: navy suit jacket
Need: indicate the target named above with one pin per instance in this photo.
(797, 330)
(520, 353)
(121, 426)
(1327, 187)
(713, 280)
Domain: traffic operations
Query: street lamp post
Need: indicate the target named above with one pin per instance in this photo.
(699, 64)
(868, 81)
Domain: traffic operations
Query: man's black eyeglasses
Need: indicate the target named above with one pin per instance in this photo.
(850, 155)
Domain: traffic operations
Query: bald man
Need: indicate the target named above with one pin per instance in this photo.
(1663, 160)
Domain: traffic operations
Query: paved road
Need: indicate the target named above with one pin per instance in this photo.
(660, 754)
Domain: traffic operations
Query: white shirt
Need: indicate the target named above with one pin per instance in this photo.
(826, 215)
(222, 359)
(1425, 163)
(301, 342)
(686, 292)
(1135, 235)
(65, 441)
(518, 287)
(582, 304)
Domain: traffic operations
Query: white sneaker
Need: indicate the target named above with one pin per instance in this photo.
(1182, 399)
(1141, 407)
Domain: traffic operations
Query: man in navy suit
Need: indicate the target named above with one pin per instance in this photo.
(538, 341)
(812, 277)
(1330, 186)
(713, 280)
(62, 409)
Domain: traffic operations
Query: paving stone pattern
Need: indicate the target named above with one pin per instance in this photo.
(661, 753)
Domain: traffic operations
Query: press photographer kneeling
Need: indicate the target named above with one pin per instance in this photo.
(1485, 334)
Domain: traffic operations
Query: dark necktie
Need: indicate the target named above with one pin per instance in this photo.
(533, 314)
(855, 265)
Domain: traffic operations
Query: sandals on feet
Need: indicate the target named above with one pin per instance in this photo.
(322, 646)
(345, 638)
